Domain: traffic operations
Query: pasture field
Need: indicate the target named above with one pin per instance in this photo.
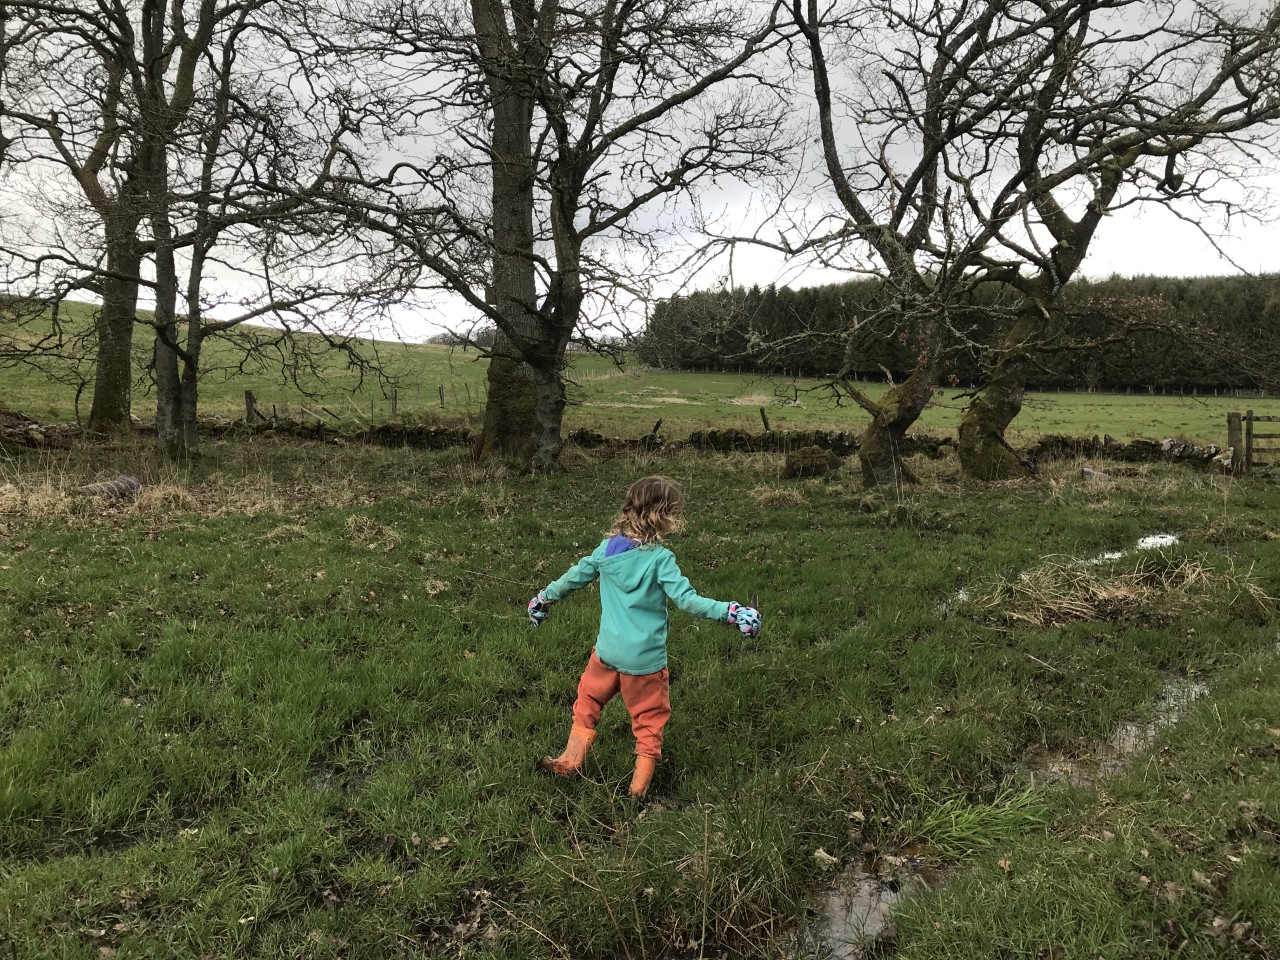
(287, 704)
(618, 400)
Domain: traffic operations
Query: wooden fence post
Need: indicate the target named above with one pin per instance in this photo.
(1235, 442)
(395, 400)
(251, 407)
(764, 418)
(1248, 441)
(442, 396)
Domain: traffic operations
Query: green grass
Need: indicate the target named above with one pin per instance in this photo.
(288, 704)
(625, 401)
(1177, 858)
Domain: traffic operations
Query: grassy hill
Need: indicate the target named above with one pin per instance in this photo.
(624, 401)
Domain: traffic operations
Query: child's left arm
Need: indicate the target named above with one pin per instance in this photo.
(678, 589)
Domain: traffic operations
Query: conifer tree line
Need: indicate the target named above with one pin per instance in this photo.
(1139, 333)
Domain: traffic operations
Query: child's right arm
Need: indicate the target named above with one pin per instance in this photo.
(575, 578)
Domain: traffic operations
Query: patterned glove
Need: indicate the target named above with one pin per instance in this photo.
(539, 609)
(746, 619)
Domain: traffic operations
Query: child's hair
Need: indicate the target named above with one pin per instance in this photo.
(651, 510)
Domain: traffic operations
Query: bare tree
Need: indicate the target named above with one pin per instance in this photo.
(73, 98)
(243, 207)
(1171, 111)
(199, 156)
(912, 139)
(978, 127)
(553, 143)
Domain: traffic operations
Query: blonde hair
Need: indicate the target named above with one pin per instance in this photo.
(651, 510)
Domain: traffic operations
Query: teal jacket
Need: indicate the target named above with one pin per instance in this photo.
(634, 589)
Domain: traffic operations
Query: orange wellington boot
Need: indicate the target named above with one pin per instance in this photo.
(567, 764)
(644, 774)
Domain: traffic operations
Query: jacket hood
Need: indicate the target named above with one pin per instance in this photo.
(628, 571)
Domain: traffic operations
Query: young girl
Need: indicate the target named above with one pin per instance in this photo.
(637, 576)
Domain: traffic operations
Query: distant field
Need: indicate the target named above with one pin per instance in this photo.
(622, 401)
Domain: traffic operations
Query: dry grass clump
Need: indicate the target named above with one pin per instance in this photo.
(372, 535)
(287, 533)
(36, 501)
(166, 498)
(1235, 528)
(1155, 584)
(774, 497)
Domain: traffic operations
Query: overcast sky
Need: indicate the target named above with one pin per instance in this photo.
(1130, 241)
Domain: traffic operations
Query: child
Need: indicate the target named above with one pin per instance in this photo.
(637, 577)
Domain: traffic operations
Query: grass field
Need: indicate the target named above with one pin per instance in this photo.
(287, 704)
(625, 401)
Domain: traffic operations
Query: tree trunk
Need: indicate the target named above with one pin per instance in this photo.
(511, 408)
(169, 437)
(169, 400)
(190, 375)
(512, 427)
(549, 388)
(984, 452)
(880, 452)
(113, 377)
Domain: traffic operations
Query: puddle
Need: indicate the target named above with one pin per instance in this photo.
(1128, 739)
(323, 777)
(1152, 541)
(851, 918)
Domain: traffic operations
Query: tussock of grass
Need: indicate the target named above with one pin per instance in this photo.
(371, 535)
(773, 497)
(166, 498)
(37, 502)
(957, 827)
(1156, 583)
(287, 533)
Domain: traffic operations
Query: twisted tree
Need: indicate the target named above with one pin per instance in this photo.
(971, 133)
(1169, 107)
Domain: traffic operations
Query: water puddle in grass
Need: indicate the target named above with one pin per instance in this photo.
(1129, 738)
(1152, 541)
(851, 918)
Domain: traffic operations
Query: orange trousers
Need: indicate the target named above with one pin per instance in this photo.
(647, 698)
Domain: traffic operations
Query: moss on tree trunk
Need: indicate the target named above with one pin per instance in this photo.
(984, 452)
(509, 413)
(880, 452)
